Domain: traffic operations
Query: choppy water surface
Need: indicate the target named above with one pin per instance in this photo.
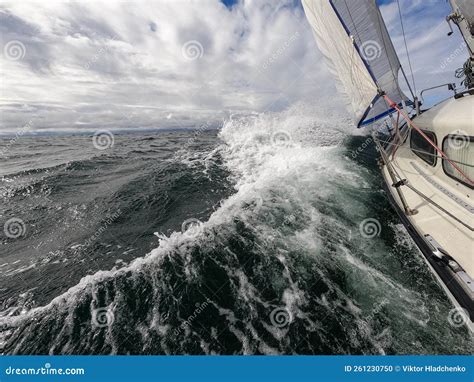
(267, 236)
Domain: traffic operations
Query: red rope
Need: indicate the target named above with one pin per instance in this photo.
(394, 105)
(398, 136)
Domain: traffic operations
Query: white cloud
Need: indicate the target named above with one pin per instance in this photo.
(434, 56)
(124, 64)
(121, 64)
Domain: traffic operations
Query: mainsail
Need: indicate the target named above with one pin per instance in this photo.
(353, 37)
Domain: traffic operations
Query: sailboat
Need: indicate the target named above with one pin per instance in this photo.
(426, 155)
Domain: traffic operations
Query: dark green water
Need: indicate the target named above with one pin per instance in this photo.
(261, 247)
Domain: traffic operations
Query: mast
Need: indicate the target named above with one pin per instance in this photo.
(463, 17)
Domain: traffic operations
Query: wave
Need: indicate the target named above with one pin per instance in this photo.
(281, 266)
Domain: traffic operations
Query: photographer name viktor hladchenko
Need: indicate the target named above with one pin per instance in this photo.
(434, 369)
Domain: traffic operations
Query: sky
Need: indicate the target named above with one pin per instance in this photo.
(68, 66)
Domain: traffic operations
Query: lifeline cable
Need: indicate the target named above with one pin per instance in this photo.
(394, 105)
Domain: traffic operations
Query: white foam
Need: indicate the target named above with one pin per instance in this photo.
(275, 178)
(258, 165)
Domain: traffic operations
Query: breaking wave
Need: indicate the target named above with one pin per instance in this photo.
(282, 266)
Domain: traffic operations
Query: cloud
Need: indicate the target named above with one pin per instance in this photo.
(113, 64)
(434, 56)
(126, 64)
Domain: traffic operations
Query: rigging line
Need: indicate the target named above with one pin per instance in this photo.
(429, 200)
(441, 152)
(419, 193)
(406, 48)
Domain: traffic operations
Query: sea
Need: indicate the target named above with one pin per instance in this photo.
(265, 233)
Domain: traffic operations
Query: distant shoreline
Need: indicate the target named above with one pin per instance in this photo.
(114, 131)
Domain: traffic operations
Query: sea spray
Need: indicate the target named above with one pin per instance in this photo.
(279, 265)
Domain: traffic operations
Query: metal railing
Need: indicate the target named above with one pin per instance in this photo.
(451, 86)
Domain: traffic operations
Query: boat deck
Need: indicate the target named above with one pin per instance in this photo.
(455, 238)
(442, 225)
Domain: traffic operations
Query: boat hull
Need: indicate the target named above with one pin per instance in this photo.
(443, 273)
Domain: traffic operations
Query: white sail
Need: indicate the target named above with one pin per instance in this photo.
(465, 8)
(353, 38)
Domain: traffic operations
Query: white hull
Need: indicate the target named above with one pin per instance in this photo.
(446, 241)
